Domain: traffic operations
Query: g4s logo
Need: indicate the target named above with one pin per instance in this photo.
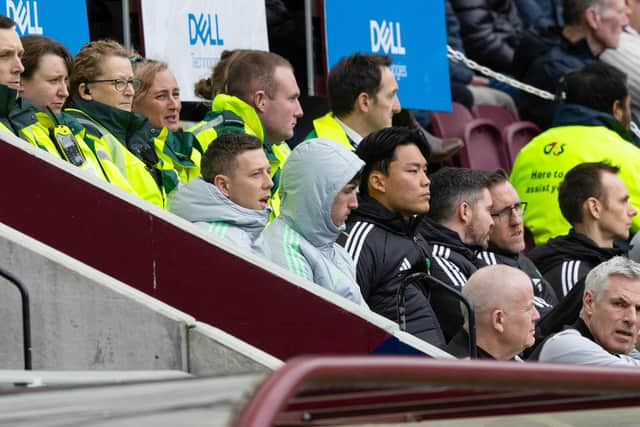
(554, 148)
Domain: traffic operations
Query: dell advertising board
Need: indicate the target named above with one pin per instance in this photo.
(191, 35)
(412, 32)
(65, 22)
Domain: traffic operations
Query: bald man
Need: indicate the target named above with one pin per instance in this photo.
(503, 302)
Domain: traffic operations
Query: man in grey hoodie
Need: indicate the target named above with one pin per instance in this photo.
(231, 198)
(317, 192)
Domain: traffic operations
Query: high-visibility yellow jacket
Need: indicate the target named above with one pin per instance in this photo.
(230, 114)
(178, 149)
(542, 163)
(40, 135)
(328, 128)
(38, 128)
(124, 141)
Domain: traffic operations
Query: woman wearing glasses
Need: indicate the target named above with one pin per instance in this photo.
(102, 90)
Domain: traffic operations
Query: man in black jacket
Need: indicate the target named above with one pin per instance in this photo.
(595, 201)
(457, 228)
(506, 241)
(381, 233)
(490, 31)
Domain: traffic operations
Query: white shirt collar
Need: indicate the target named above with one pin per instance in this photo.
(354, 136)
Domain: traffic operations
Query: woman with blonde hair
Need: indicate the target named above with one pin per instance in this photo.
(102, 90)
(158, 99)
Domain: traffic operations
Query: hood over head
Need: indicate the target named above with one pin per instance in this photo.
(312, 177)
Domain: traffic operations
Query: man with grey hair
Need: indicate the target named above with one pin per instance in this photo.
(590, 27)
(503, 303)
(609, 321)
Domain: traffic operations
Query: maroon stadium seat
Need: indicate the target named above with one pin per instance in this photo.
(450, 124)
(499, 115)
(516, 136)
(483, 148)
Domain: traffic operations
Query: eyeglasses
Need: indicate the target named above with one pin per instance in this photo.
(517, 209)
(119, 84)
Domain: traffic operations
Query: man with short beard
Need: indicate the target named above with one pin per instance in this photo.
(457, 227)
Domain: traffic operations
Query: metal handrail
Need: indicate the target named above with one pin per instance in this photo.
(420, 278)
(26, 316)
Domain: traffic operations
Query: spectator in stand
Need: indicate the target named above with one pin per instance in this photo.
(468, 88)
(10, 70)
(595, 201)
(216, 84)
(457, 227)
(363, 99)
(102, 90)
(627, 56)
(490, 31)
(506, 241)
(158, 99)
(606, 332)
(260, 96)
(319, 183)
(505, 314)
(17, 116)
(381, 234)
(45, 79)
(539, 13)
(591, 125)
(44, 82)
(590, 27)
(231, 198)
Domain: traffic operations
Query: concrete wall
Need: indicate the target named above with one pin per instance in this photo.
(83, 319)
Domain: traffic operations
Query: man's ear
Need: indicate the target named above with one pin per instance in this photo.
(587, 302)
(377, 181)
(223, 184)
(84, 92)
(618, 110)
(592, 17)
(497, 320)
(259, 100)
(464, 212)
(593, 207)
(363, 102)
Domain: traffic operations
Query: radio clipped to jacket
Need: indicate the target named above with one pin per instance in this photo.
(67, 145)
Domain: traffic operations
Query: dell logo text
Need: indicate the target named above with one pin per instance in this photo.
(25, 13)
(386, 36)
(206, 29)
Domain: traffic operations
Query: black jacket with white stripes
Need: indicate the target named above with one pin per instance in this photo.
(452, 262)
(383, 247)
(544, 295)
(564, 261)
